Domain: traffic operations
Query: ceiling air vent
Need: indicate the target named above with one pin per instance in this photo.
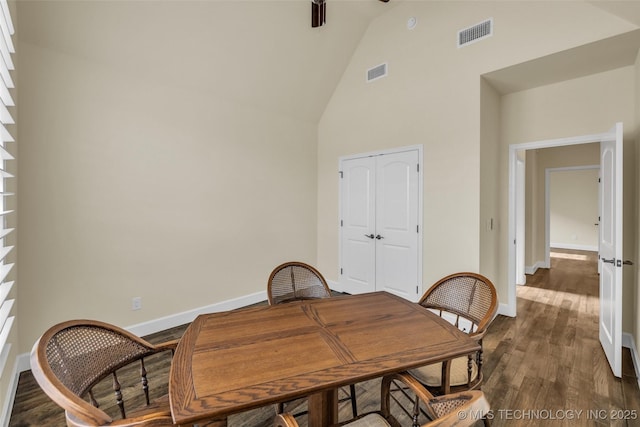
(475, 33)
(377, 72)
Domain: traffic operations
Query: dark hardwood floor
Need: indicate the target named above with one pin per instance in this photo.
(544, 367)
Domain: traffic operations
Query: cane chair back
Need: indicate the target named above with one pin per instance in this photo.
(293, 281)
(468, 301)
(71, 360)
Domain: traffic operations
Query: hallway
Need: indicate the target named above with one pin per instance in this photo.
(547, 364)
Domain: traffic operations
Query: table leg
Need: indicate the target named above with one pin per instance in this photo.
(323, 408)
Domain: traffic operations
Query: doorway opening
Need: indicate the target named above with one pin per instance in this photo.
(610, 234)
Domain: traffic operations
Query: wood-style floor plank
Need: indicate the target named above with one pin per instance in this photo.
(545, 363)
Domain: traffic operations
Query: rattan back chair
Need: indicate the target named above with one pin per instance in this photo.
(461, 409)
(469, 301)
(293, 281)
(71, 360)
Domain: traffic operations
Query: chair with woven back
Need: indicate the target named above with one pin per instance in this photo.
(468, 301)
(461, 409)
(80, 363)
(295, 281)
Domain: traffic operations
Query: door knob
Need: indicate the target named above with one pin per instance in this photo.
(371, 236)
(379, 237)
(609, 261)
(627, 262)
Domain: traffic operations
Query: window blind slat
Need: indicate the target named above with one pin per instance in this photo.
(5, 288)
(5, 136)
(6, 75)
(4, 154)
(4, 7)
(5, 174)
(7, 27)
(5, 232)
(5, 213)
(5, 96)
(4, 336)
(4, 270)
(6, 55)
(4, 251)
(5, 310)
(5, 115)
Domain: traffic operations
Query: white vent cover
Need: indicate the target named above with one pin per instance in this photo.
(377, 72)
(475, 33)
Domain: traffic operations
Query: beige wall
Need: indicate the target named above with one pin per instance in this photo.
(573, 209)
(432, 97)
(490, 110)
(549, 158)
(137, 184)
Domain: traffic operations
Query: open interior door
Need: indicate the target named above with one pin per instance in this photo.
(611, 248)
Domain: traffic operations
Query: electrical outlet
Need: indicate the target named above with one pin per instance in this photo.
(136, 303)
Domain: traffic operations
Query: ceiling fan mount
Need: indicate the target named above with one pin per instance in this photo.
(319, 12)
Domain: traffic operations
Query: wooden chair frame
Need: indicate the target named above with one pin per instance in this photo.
(51, 356)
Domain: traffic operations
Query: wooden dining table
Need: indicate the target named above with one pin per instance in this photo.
(233, 361)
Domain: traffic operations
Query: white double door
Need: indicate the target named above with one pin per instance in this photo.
(380, 234)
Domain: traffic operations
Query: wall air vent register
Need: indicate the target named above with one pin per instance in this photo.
(475, 33)
(377, 72)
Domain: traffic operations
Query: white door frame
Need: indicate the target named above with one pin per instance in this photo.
(514, 149)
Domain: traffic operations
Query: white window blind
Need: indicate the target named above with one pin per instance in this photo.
(6, 101)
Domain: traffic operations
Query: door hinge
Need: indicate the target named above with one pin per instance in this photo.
(341, 223)
(416, 289)
(341, 271)
(418, 167)
(417, 229)
(341, 174)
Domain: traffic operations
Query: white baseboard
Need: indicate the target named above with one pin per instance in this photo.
(629, 342)
(10, 393)
(506, 310)
(335, 286)
(572, 246)
(532, 269)
(173, 320)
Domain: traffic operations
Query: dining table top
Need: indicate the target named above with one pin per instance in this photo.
(232, 361)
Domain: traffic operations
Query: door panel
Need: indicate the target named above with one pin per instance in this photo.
(358, 221)
(396, 221)
(611, 249)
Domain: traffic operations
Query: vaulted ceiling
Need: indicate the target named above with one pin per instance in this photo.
(263, 53)
(260, 53)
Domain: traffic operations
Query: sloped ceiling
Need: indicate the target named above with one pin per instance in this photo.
(628, 10)
(599, 56)
(261, 53)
